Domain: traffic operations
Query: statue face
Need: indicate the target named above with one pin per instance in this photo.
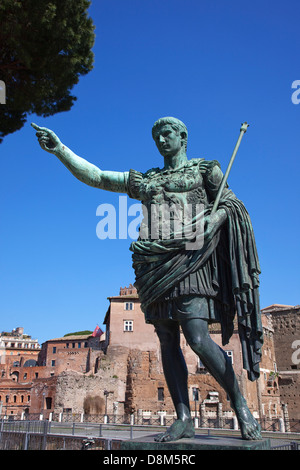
(168, 141)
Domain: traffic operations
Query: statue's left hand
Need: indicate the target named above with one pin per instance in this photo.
(47, 139)
(213, 223)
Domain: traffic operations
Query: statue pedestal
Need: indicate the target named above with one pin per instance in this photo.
(197, 443)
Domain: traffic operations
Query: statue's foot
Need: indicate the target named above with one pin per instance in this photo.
(178, 430)
(250, 429)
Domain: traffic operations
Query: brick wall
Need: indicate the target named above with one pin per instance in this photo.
(286, 323)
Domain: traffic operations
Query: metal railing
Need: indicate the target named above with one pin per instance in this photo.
(288, 446)
(267, 424)
(47, 435)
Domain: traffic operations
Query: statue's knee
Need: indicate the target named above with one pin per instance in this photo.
(198, 344)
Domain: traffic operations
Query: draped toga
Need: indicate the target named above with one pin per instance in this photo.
(224, 272)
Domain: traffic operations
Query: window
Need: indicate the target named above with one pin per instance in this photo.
(54, 350)
(15, 376)
(128, 306)
(79, 345)
(52, 363)
(128, 325)
(160, 394)
(48, 403)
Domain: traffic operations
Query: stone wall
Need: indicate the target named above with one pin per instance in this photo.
(286, 323)
(85, 392)
(136, 383)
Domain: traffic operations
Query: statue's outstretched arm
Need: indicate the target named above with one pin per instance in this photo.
(79, 167)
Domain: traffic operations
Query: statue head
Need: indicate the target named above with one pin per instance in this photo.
(175, 123)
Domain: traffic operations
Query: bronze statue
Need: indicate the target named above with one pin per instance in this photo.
(188, 281)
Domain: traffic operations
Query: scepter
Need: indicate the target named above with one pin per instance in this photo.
(225, 177)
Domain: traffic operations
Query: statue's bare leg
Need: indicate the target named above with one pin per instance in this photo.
(219, 365)
(176, 376)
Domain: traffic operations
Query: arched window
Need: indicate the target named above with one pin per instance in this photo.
(15, 376)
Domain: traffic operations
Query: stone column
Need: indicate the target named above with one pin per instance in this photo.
(286, 417)
(202, 414)
(220, 415)
(235, 423)
(281, 425)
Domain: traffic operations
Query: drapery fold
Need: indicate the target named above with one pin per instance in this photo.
(161, 264)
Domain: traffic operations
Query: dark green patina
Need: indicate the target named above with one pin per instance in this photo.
(212, 275)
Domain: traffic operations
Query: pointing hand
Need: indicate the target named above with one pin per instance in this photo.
(47, 139)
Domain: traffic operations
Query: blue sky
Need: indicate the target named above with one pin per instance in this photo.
(213, 64)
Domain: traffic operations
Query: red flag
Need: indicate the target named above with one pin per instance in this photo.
(97, 332)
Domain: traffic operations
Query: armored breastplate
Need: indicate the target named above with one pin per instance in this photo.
(171, 198)
(180, 187)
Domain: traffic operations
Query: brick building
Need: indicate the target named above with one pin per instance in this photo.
(18, 360)
(120, 371)
(15, 346)
(286, 324)
(29, 373)
(72, 352)
(147, 391)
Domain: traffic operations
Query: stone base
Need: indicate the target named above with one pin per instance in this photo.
(196, 444)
